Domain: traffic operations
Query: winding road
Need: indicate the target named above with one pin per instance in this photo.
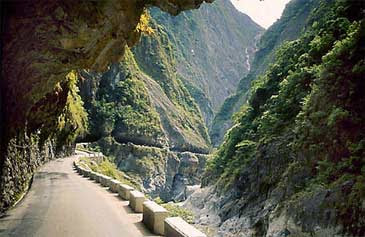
(62, 203)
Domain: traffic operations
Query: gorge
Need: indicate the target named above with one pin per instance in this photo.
(258, 132)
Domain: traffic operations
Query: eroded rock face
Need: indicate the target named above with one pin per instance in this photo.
(42, 42)
(23, 158)
(215, 32)
(265, 204)
(148, 105)
(174, 7)
(302, 218)
(162, 173)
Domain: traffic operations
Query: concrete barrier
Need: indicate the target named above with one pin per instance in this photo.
(114, 185)
(136, 200)
(177, 227)
(98, 177)
(154, 216)
(82, 171)
(110, 182)
(87, 173)
(93, 175)
(105, 180)
(124, 191)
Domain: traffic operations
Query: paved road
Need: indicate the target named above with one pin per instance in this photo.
(61, 203)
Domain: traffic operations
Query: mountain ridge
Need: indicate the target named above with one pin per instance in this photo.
(292, 164)
(212, 46)
(287, 28)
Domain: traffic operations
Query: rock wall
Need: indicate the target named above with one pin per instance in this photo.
(288, 167)
(213, 50)
(24, 155)
(42, 41)
(146, 100)
(265, 204)
(162, 173)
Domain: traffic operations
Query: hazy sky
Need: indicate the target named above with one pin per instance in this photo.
(265, 13)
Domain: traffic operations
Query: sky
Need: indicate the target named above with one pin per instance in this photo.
(265, 13)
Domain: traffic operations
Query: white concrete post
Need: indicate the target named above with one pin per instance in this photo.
(124, 191)
(154, 216)
(177, 227)
(136, 200)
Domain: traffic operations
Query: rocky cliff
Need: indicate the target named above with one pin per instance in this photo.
(150, 99)
(289, 27)
(183, 72)
(145, 120)
(293, 163)
(214, 49)
(43, 43)
(159, 172)
(142, 100)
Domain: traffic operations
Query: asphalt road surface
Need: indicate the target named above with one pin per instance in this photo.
(62, 203)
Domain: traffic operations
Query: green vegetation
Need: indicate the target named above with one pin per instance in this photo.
(108, 168)
(176, 210)
(143, 100)
(289, 27)
(124, 106)
(60, 115)
(161, 65)
(207, 44)
(143, 24)
(312, 99)
(73, 121)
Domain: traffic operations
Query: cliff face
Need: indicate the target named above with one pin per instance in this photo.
(42, 43)
(214, 48)
(289, 27)
(191, 59)
(142, 116)
(293, 163)
(142, 100)
(148, 108)
(159, 172)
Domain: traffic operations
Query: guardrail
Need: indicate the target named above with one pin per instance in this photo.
(155, 217)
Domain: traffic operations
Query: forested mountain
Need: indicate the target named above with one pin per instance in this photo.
(214, 48)
(143, 101)
(143, 88)
(288, 27)
(293, 163)
(146, 112)
(193, 59)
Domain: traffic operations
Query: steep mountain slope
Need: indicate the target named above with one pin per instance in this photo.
(142, 116)
(288, 27)
(141, 100)
(182, 67)
(143, 111)
(214, 48)
(294, 162)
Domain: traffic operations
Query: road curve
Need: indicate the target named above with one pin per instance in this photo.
(61, 203)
